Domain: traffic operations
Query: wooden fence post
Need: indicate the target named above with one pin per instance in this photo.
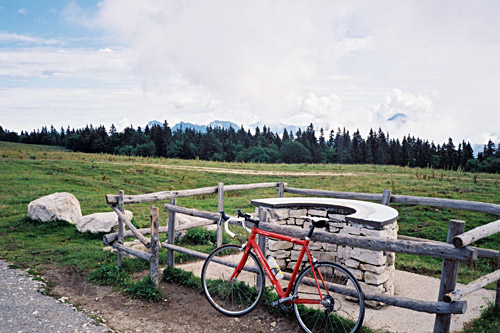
(120, 227)
(448, 277)
(262, 239)
(171, 234)
(220, 206)
(281, 190)
(155, 240)
(497, 297)
(386, 197)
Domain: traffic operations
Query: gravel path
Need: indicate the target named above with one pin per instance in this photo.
(24, 309)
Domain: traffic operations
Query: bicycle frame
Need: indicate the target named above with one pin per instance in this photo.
(252, 244)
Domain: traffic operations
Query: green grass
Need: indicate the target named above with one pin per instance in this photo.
(30, 171)
(488, 322)
(119, 278)
(181, 277)
(144, 289)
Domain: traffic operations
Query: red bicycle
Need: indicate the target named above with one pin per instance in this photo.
(324, 296)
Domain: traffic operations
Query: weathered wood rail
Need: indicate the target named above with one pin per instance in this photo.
(454, 251)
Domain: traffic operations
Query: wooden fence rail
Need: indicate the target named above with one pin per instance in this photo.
(112, 199)
(404, 199)
(133, 229)
(453, 252)
(472, 286)
(481, 252)
(476, 234)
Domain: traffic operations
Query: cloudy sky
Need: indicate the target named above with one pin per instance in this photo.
(333, 63)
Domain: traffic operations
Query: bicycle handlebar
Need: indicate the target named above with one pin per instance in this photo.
(242, 217)
(224, 216)
(247, 217)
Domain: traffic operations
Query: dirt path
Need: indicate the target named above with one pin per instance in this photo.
(242, 171)
(251, 172)
(187, 310)
(184, 310)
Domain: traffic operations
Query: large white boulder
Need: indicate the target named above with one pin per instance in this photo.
(100, 222)
(56, 206)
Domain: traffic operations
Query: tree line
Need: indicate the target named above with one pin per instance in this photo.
(264, 146)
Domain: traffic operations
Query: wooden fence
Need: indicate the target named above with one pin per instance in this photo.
(456, 249)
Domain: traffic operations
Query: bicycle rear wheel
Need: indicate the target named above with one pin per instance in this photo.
(236, 297)
(341, 309)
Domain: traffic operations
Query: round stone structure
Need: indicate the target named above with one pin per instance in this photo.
(373, 269)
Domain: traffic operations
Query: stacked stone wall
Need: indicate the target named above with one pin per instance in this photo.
(373, 269)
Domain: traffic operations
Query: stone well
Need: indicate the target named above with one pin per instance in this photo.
(373, 269)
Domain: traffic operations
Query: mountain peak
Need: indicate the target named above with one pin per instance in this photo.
(398, 117)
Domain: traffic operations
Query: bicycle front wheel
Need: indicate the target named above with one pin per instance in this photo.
(341, 307)
(240, 295)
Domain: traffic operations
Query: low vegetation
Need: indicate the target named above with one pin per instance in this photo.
(488, 322)
(31, 171)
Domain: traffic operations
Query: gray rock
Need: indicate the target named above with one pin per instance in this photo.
(181, 219)
(54, 207)
(135, 244)
(100, 222)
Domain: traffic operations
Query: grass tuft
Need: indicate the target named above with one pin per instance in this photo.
(181, 277)
(109, 275)
(144, 289)
(488, 322)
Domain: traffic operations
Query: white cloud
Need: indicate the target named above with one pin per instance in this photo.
(22, 11)
(106, 50)
(254, 56)
(415, 107)
(26, 39)
(318, 110)
(48, 62)
(260, 59)
(333, 63)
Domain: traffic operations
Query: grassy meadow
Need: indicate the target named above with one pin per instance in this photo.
(28, 172)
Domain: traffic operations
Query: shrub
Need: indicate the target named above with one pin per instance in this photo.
(197, 236)
(109, 275)
(294, 152)
(200, 236)
(144, 289)
(179, 276)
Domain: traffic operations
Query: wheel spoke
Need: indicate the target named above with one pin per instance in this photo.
(240, 295)
(337, 312)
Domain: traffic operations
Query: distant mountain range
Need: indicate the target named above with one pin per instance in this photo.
(203, 128)
(276, 127)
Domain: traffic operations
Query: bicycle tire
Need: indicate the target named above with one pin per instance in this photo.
(239, 296)
(339, 313)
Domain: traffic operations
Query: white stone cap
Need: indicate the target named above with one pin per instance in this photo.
(363, 212)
